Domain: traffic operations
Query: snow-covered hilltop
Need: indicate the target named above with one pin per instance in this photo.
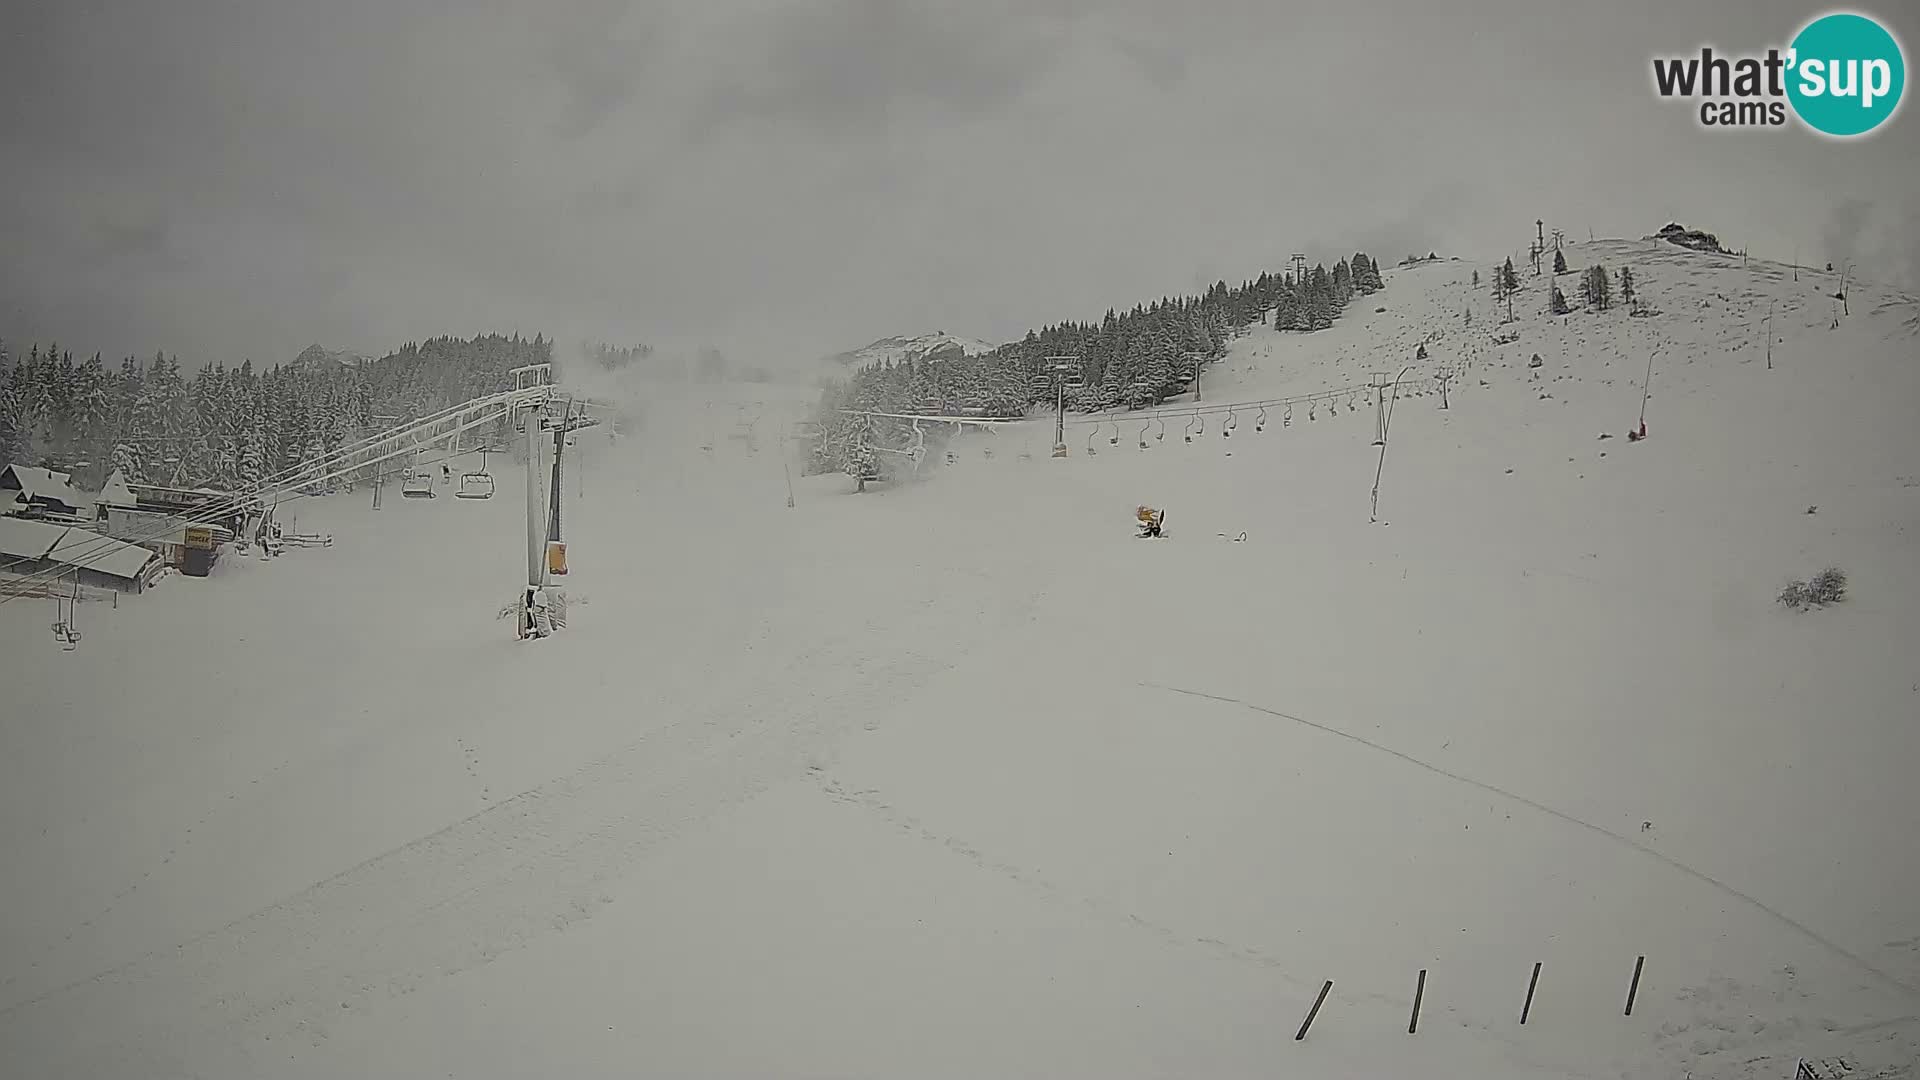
(315, 356)
(907, 348)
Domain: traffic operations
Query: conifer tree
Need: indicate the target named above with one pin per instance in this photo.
(125, 460)
(1594, 288)
(1373, 279)
(1559, 262)
(1556, 302)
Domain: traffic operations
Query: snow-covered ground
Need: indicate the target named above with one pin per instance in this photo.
(958, 778)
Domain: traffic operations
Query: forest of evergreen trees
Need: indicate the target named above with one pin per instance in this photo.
(615, 357)
(706, 365)
(1132, 360)
(230, 427)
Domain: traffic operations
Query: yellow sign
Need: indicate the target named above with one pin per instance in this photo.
(556, 558)
(199, 536)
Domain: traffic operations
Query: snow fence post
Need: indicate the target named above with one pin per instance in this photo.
(1313, 1012)
(1531, 984)
(1419, 991)
(1633, 988)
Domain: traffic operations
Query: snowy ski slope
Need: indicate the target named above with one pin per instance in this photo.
(958, 778)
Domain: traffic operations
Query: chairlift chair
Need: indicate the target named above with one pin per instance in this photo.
(419, 485)
(476, 485)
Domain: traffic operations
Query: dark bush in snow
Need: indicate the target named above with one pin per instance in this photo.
(1829, 586)
(1698, 240)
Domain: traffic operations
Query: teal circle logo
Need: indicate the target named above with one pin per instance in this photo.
(1847, 74)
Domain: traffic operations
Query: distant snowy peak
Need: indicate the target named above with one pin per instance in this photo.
(315, 356)
(916, 347)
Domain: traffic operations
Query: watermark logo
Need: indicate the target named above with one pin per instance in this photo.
(1843, 75)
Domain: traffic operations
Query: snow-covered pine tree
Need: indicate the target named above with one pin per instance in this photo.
(22, 407)
(1626, 285)
(861, 461)
(62, 422)
(13, 433)
(1374, 282)
(149, 427)
(1559, 262)
(197, 463)
(1476, 279)
(93, 420)
(1509, 281)
(1594, 288)
(1364, 274)
(338, 415)
(126, 392)
(1289, 312)
(1320, 301)
(295, 432)
(1556, 302)
(180, 425)
(125, 460)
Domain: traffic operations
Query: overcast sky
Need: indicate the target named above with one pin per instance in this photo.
(784, 180)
